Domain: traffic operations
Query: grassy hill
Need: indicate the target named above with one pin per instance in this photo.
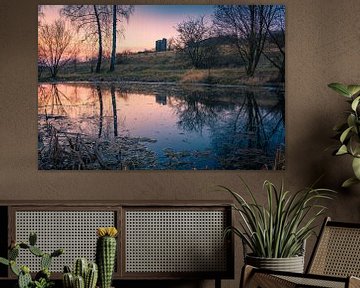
(170, 66)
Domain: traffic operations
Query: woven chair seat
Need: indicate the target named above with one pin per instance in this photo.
(313, 282)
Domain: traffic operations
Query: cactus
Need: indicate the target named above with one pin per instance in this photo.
(42, 278)
(105, 254)
(14, 268)
(88, 273)
(4, 261)
(57, 252)
(13, 253)
(80, 268)
(24, 246)
(32, 239)
(79, 282)
(45, 261)
(68, 280)
(44, 273)
(36, 251)
(24, 277)
(91, 276)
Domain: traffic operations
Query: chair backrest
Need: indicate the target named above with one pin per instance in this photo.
(337, 251)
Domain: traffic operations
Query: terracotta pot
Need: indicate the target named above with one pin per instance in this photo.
(291, 264)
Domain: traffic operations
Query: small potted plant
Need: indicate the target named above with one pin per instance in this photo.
(42, 278)
(276, 233)
(106, 254)
(348, 132)
(84, 274)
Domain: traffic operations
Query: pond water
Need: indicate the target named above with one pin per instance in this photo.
(138, 126)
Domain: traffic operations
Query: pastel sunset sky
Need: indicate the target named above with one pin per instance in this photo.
(147, 24)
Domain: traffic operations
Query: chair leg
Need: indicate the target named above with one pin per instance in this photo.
(354, 282)
(246, 273)
(217, 283)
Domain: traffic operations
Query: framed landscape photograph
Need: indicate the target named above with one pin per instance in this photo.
(161, 87)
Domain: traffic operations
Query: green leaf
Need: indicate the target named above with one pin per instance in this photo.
(4, 261)
(356, 167)
(349, 182)
(342, 150)
(340, 88)
(354, 145)
(353, 89)
(351, 120)
(355, 103)
(345, 134)
(14, 268)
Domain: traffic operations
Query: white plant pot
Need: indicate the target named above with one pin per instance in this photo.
(291, 264)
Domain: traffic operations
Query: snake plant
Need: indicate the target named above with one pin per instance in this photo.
(349, 132)
(279, 228)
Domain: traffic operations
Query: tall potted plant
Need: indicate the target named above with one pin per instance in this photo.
(348, 132)
(276, 233)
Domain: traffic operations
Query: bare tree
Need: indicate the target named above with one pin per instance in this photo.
(248, 26)
(194, 40)
(119, 12)
(274, 50)
(171, 43)
(92, 19)
(54, 46)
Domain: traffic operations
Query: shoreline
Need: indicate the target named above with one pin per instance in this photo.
(161, 83)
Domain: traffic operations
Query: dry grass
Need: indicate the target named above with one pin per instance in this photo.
(58, 150)
(171, 67)
(194, 76)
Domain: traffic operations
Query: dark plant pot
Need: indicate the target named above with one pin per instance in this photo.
(291, 264)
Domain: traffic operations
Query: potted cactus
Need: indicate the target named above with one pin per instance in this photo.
(85, 275)
(106, 254)
(42, 278)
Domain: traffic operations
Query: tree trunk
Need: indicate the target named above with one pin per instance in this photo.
(113, 52)
(101, 116)
(98, 64)
(113, 100)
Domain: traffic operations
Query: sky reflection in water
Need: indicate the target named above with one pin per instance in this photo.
(186, 127)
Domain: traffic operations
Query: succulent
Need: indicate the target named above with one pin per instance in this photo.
(68, 278)
(91, 276)
(79, 282)
(42, 278)
(24, 278)
(85, 275)
(106, 254)
(80, 268)
(43, 283)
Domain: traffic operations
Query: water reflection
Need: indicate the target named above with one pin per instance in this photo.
(160, 127)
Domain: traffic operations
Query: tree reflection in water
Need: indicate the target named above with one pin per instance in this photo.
(235, 128)
(249, 135)
(67, 140)
(245, 135)
(52, 101)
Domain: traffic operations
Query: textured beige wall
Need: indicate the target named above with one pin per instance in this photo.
(322, 46)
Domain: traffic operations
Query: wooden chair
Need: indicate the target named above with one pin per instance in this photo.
(335, 262)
